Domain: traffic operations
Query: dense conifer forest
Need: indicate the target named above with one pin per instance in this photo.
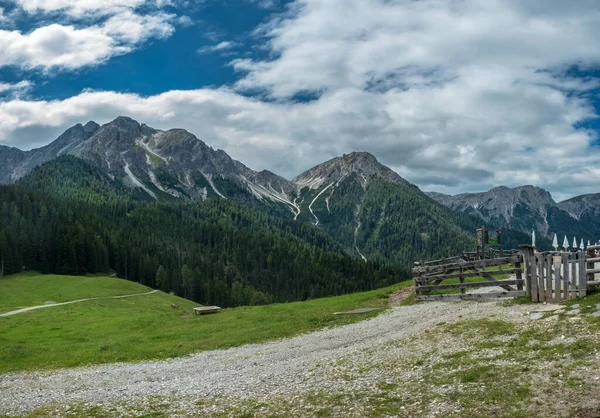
(70, 218)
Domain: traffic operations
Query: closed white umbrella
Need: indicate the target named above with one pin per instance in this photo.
(589, 243)
(581, 245)
(555, 243)
(533, 239)
(574, 242)
(566, 243)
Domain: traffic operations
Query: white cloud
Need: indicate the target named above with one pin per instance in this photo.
(19, 87)
(70, 47)
(79, 8)
(456, 96)
(424, 145)
(221, 46)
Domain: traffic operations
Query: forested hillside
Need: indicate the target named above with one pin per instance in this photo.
(394, 223)
(71, 218)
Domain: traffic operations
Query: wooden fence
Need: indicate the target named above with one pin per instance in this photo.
(544, 277)
(429, 277)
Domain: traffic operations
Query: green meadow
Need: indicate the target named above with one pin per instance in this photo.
(144, 327)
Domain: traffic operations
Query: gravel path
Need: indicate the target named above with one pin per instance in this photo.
(284, 367)
(50, 305)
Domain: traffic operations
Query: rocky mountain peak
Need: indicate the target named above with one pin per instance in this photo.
(90, 128)
(363, 164)
(523, 207)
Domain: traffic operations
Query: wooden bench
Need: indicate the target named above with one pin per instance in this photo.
(206, 310)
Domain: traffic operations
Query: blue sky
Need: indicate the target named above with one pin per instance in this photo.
(455, 96)
(161, 65)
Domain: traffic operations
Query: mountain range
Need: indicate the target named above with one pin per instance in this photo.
(135, 200)
(365, 206)
(368, 208)
(529, 208)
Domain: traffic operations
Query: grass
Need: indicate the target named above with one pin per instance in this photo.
(147, 327)
(31, 289)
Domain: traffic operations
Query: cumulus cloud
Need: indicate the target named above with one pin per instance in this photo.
(79, 8)
(69, 47)
(221, 46)
(455, 96)
(289, 137)
(19, 87)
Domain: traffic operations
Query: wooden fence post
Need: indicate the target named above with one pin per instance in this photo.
(529, 267)
(582, 276)
(573, 276)
(565, 268)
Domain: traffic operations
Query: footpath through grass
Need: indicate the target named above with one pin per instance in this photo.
(32, 289)
(147, 327)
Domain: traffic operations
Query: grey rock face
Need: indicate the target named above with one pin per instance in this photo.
(523, 208)
(172, 162)
(583, 206)
(15, 163)
(364, 164)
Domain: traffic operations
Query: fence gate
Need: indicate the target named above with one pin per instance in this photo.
(449, 278)
(555, 276)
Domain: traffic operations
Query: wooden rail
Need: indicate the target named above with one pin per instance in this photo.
(429, 277)
(550, 276)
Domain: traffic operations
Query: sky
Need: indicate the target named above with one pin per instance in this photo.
(455, 95)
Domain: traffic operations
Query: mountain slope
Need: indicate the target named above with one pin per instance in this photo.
(377, 214)
(15, 163)
(69, 217)
(372, 212)
(165, 165)
(528, 208)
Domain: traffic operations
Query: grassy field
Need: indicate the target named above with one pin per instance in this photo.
(31, 289)
(145, 327)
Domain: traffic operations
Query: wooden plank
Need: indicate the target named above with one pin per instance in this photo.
(472, 296)
(462, 281)
(443, 260)
(592, 271)
(592, 283)
(573, 277)
(549, 264)
(428, 278)
(474, 285)
(519, 276)
(582, 277)
(529, 260)
(557, 290)
(206, 310)
(468, 264)
(488, 276)
(542, 278)
(534, 279)
(593, 247)
(565, 267)
(593, 260)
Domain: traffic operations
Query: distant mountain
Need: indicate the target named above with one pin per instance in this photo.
(166, 165)
(378, 214)
(15, 163)
(585, 210)
(528, 208)
(366, 207)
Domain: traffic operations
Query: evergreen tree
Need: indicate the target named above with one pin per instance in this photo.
(161, 279)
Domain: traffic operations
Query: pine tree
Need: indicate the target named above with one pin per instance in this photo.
(161, 279)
